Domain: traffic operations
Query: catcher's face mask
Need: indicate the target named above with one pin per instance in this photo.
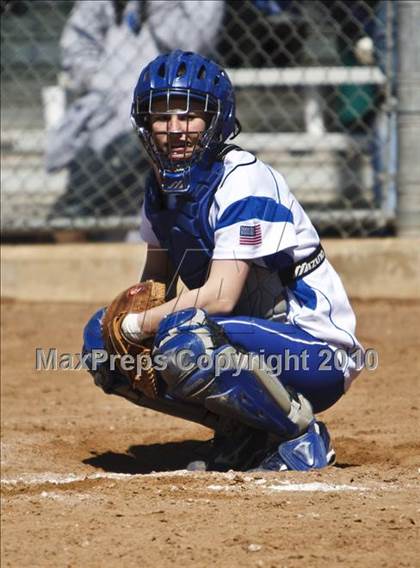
(177, 127)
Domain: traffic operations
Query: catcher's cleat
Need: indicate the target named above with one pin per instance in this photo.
(311, 450)
(238, 450)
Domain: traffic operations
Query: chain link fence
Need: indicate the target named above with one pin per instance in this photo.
(315, 83)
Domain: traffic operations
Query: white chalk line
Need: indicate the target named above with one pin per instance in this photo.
(286, 486)
(62, 479)
(242, 481)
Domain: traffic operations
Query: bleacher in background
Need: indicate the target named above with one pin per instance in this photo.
(291, 89)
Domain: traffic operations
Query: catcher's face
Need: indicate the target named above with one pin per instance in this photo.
(176, 129)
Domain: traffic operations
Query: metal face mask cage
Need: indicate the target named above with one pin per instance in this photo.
(177, 170)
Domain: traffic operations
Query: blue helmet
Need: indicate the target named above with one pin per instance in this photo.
(196, 79)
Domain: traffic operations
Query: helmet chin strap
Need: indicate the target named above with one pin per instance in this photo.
(175, 182)
(178, 182)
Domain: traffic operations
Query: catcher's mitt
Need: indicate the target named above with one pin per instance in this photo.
(136, 299)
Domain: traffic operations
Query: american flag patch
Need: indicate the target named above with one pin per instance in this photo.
(250, 235)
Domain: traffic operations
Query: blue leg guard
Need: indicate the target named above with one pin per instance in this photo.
(201, 367)
(311, 450)
(114, 382)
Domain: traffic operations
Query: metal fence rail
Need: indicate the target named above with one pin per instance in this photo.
(315, 85)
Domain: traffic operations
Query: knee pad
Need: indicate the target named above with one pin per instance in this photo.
(92, 332)
(190, 346)
(93, 341)
(95, 356)
(185, 348)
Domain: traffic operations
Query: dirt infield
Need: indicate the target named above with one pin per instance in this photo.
(77, 481)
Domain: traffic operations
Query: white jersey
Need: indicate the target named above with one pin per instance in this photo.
(255, 217)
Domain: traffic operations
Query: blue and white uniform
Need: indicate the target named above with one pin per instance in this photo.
(254, 216)
(220, 202)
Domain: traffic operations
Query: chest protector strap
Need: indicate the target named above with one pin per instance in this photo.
(181, 224)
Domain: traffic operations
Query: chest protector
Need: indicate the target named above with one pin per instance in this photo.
(181, 224)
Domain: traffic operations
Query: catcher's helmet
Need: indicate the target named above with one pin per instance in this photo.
(194, 78)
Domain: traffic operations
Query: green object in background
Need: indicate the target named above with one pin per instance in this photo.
(354, 101)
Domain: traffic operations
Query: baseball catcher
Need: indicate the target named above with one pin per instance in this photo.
(260, 336)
